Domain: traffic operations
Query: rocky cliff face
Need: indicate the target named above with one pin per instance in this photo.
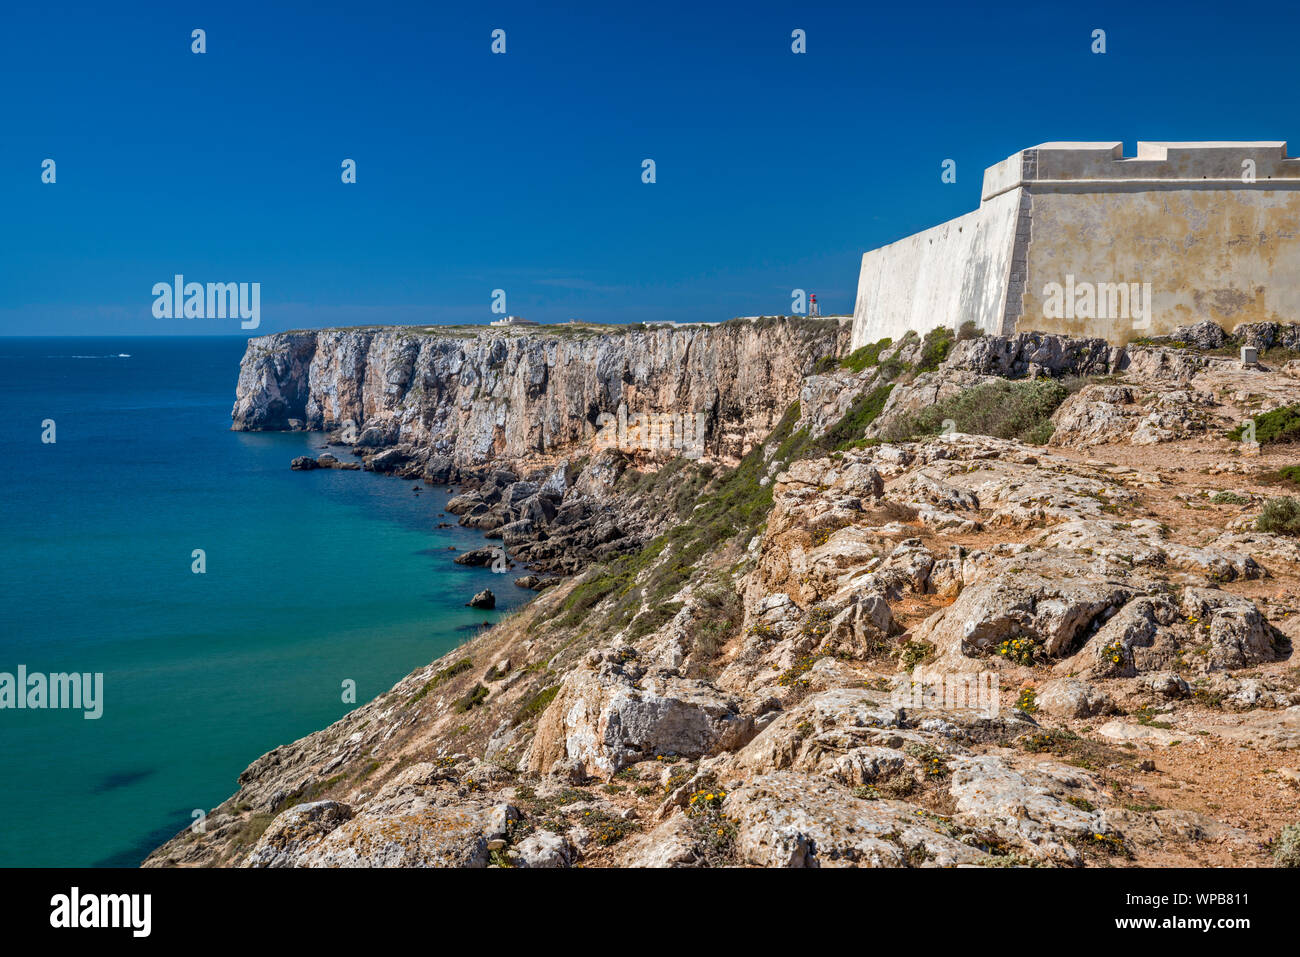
(953, 649)
(474, 395)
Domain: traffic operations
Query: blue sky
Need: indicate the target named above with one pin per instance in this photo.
(523, 171)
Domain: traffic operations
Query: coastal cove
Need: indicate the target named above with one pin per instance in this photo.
(311, 580)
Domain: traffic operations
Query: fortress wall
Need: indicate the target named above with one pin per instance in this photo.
(1228, 255)
(1185, 218)
(941, 276)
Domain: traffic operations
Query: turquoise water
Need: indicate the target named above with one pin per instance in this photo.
(312, 578)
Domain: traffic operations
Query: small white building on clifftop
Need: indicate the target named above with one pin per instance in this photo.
(1077, 238)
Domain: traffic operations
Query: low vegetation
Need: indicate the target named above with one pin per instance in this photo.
(1005, 409)
(718, 614)
(935, 348)
(535, 705)
(476, 696)
(1227, 497)
(848, 432)
(733, 505)
(445, 674)
(1280, 516)
(1277, 426)
(251, 829)
(1289, 475)
(866, 356)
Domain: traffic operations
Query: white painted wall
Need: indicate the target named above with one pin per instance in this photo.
(943, 276)
(1214, 228)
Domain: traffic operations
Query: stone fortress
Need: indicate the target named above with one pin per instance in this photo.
(1077, 238)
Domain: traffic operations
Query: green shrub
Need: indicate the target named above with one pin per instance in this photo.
(477, 695)
(651, 619)
(1280, 515)
(1005, 409)
(848, 431)
(1158, 341)
(607, 829)
(935, 348)
(865, 357)
(913, 652)
(1228, 498)
(1280, 425)
(717, 615)
(1289, 475)
(969, 330)
(892, 368)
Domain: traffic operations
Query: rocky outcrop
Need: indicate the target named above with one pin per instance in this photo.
(1034, 354)
(1208, 336)
(1101, 414)
(613, 713)
(470, 395)
(1110, 635)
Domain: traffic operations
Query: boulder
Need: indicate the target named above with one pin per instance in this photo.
(1026, 809)
(1205, 334)
(418, 837)
(478, 557)
(439, 469)
(1238, 633)
(673, 843)
(1072, 698)
(544, 849)
(537, 582)
(1167, 684)
(373, 437)
(1046, 598)
(791, 820)
(1013, 356)
(860, 630)
(296, 831)
(484, 599)
(603, 721)
(328, 460)
(389, 460)
(464, 503)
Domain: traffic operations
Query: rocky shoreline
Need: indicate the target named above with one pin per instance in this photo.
(511, 418)
(726, 675)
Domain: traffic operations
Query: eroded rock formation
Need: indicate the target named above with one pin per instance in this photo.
(741, 690)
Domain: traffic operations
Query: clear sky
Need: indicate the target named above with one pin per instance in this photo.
(523, 171)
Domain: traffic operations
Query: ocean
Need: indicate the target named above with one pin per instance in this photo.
(312, 579)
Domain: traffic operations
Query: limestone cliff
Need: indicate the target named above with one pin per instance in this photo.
(474, 394)
(962, 642)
